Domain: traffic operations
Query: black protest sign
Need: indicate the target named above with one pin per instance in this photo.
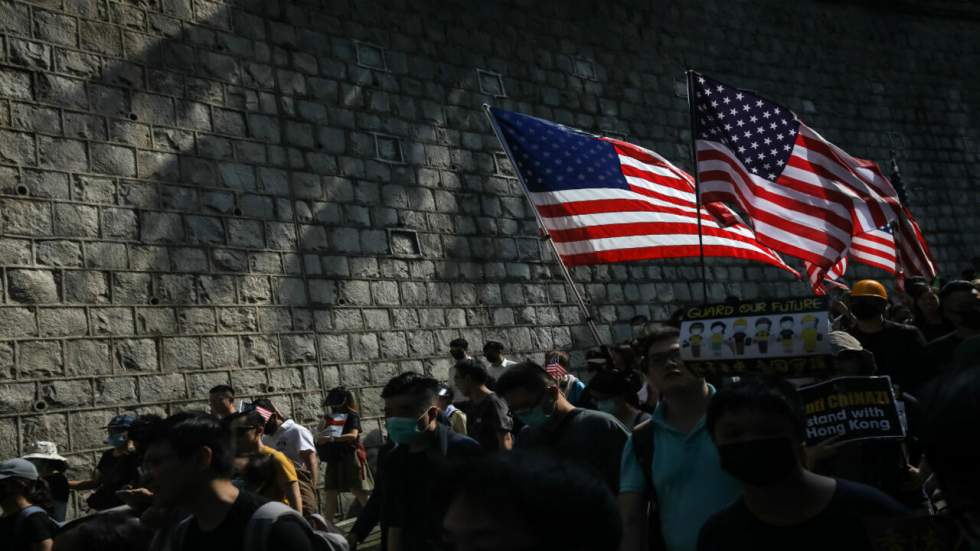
(776, 337)
(851, 408)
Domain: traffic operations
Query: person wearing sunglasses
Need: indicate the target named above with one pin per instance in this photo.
(279, 481)
(670, 462)
(553, 425)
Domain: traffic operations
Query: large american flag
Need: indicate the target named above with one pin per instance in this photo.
(805, 196)
(603, 200)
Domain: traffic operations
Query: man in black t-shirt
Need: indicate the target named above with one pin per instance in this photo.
(488, 421)
(758, 429)
(592, 439)
(118, 468)
(897, 348)
(189, 465)
(417, 481)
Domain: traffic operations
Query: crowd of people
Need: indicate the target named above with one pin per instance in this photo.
(640, 453)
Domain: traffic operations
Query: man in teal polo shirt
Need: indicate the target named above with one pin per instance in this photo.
(688, 483)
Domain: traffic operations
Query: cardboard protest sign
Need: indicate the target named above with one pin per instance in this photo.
(853, 408)
(779, 337)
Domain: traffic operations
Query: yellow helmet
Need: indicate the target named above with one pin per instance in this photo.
(869, 288)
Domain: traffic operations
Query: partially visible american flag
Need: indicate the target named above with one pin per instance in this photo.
(556, 371)
(805, 196)
(603, 200)
(266, 414)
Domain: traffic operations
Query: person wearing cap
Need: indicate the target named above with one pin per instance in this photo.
(455, 417)
(296, 442)
(338, 442)
(51, 467)
(494, 353)
(897, 348)
(25, 524)
(118, 468)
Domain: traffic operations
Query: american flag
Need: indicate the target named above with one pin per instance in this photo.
(603, 200)
(805, 196)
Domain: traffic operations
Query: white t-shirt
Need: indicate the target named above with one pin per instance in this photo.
(291, 439)
(496, 370)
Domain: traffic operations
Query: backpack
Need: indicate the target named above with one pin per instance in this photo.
(643, 447)
(260, 525)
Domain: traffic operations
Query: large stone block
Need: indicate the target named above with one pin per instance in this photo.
(32, 286)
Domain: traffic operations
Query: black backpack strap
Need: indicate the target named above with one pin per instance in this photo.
(644, 445)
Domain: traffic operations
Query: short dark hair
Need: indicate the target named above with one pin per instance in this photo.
(534, 491)
(422, 388)
(189, 431)
(956, 286)
(340, 396)
(493, 345)
(527, 375)
(144, 429)
(768, 395)
(223, 389)
(473, 369)
(459, 343)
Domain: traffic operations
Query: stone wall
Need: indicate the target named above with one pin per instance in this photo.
(287, 195)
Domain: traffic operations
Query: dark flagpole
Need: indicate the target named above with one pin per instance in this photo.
(697, 180)
(564, 269)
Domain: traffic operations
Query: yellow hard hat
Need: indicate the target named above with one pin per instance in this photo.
(869, 288)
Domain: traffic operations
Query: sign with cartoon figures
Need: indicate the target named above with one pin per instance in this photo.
(780, 337)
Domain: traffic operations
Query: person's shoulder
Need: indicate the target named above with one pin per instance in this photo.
(458, 443)
(730, 522)
(900, 328)
(861, 499)
(944, 340)
(592, 417)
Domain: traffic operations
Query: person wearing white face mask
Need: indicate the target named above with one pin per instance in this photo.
(615, 392)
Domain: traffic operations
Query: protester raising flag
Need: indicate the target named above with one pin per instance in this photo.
(805, 196)
(603, 200)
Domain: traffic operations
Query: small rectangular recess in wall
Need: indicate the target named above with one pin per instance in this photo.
(404, 243)
(370, 56)
(584, 68)
(388, 149)
(502, 166)
(680, 87)
(491, 83)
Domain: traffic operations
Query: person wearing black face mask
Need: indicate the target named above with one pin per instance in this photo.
(961, 306)
(758, 429)
(897, 348)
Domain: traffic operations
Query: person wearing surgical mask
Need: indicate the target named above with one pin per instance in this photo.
(758, 427)
(118, 468)
(615, 392)
(553, 425)
(897, 348)
(417, 483)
